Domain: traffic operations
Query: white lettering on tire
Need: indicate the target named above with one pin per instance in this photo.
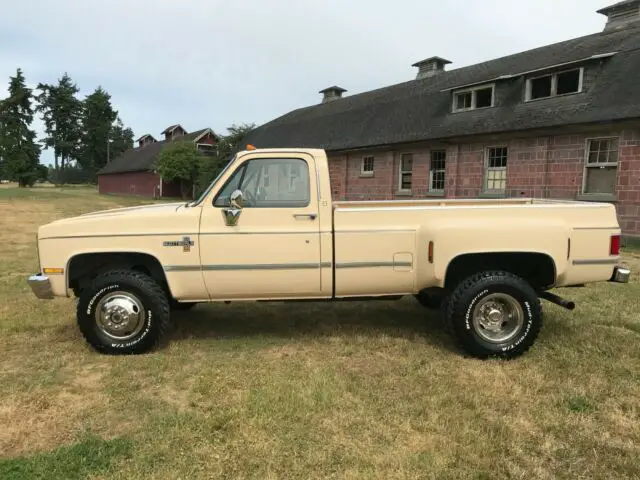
(467, 316)
(140, 337)
(100, 292)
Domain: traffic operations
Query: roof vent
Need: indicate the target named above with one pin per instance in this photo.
(621, 15)
(333, 93)
(431, 66)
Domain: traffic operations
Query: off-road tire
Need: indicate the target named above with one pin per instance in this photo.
(152, 297)
(472, 290)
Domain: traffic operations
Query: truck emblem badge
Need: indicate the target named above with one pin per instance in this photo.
(186, 243)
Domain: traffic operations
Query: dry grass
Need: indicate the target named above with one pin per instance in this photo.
(371, 390)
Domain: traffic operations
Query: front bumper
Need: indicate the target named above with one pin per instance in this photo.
(621, 275)
(41, 286)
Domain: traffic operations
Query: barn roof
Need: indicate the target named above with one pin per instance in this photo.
(420, 109)
(143, 158)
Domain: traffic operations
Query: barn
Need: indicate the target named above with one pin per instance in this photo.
(560, 121)
(132, 173)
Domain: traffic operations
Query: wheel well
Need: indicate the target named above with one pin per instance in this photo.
(536, 268)
(85, 267)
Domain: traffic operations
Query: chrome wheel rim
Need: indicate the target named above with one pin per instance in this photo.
(120, 315)
(498, 318)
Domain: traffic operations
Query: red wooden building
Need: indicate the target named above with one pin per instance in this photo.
(133, 172)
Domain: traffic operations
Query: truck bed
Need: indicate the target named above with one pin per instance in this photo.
(400, 247)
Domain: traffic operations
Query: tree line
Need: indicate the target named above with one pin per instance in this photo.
(82, 133)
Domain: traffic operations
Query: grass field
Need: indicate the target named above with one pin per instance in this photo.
(371, 390)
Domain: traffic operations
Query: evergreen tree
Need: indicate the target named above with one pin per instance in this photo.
(18, 148)
(61, 114)
(121, 139)
(98, 116)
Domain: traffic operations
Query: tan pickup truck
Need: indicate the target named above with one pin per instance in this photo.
(267, 229)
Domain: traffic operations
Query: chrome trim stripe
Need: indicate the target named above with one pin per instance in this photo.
(111, 235)
(264, 233)
(231, 267)
(179, 234)
(596, 228)
(381, 230)
(598, 261)
(373, 264)
(501, 204)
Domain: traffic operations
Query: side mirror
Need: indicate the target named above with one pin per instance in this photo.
(232, 214)
(236, 200)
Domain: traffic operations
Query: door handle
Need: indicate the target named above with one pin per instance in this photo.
(311, 216)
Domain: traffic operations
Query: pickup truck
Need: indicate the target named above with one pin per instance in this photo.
(267, 229)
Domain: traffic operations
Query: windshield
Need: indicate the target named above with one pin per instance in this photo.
(206, 192)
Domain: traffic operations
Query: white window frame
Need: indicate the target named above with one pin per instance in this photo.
(367, 173)
(473, 91)
(587, 151)
(431, 171)
(487, 169)
(401, 171)
(554, 85)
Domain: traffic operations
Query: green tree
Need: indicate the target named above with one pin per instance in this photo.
(180, 161)
(120, 139)
(18, 148)
(61, 113)
(98, 116)
(211, 165)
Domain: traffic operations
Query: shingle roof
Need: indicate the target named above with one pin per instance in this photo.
(615, 6)
(421, 109)
(142, 158)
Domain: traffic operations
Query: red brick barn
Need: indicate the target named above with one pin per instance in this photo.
(133, 172)
(560, 121)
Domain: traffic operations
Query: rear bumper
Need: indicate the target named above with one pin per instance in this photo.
(621, 275)
(41, 286)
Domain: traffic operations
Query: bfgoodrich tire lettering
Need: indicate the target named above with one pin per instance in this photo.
(483, 336)
(149, 305)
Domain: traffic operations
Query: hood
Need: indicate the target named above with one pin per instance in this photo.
(163, 207)
(143, 219)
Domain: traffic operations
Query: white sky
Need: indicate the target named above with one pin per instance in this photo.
(211, 63)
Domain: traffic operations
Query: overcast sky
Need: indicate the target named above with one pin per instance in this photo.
(211, 63)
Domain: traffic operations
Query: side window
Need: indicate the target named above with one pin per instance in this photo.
(269, 183)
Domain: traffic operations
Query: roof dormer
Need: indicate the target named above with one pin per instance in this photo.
(145, 139)
(173, 131)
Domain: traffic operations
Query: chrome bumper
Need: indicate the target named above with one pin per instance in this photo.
(41, 286)
(621, 275)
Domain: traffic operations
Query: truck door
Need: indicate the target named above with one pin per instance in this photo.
(260, 234)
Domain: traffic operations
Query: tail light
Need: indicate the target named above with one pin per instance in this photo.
(614, 248)
(430, 252)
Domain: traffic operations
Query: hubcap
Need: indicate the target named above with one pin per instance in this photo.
(498, 318)
(120, 315)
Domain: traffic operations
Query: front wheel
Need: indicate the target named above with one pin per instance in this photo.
(123, 312)
(495, 314)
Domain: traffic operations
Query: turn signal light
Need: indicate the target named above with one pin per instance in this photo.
(53, 271)
(251, 147)
(614, 248)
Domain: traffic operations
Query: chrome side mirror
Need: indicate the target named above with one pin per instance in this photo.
(232, 214)
(236, 200)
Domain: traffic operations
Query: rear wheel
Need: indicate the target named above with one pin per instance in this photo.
(123, 312)
(495, 314)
